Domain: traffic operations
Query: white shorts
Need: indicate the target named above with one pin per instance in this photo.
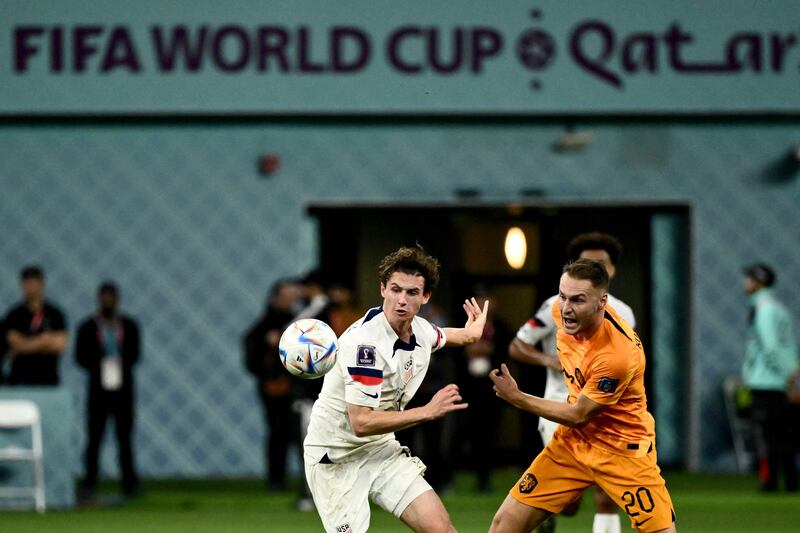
(546, 429)
(388, 475)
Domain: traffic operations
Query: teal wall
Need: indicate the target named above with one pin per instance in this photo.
(178, 214)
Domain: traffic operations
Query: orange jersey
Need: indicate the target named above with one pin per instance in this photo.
(608, 368)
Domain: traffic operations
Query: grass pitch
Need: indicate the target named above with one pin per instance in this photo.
(704, 504)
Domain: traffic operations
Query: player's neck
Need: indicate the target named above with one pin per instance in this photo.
(588, 333)
(402, 329)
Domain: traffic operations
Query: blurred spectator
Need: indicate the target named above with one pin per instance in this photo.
(480, 429)
(317, 304)
(36, 334)
(272, 380)
(342, 311)
(107, 347)
(770, 359)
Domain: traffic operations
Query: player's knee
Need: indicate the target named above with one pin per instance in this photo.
(439, 523)
(500, 522)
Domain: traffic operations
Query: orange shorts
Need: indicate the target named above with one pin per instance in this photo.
(569, 465)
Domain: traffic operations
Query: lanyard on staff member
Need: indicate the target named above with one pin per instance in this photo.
(110, 336)
(37, 319)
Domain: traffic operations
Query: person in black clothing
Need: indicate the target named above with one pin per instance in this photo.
(480, 430)
(272, 380)
(316, 304)
(107, 346)
(36, 334)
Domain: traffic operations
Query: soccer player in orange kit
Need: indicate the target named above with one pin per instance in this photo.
(606, 437)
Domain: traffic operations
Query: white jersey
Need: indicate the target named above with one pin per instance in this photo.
(374, 368)
(541, 327)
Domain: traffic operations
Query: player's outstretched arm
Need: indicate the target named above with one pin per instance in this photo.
(573, 415)
(473, 329)
(366, 421)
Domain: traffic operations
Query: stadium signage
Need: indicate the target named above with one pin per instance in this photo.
(518, 61)
(594, 46)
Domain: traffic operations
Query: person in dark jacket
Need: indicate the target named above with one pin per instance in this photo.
(273, 382)
(36, 333)
(107, 346)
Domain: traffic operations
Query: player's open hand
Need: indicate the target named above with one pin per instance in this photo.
(505, 386)
(446, 399)
(476, 318)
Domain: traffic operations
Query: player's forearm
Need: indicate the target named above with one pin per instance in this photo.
(560, 412)
(461, 336)
(367, 423)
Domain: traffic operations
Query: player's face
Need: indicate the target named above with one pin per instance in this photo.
(403, 295)
(602, 257)
(581, 305)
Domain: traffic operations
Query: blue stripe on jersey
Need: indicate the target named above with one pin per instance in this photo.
(372, 313)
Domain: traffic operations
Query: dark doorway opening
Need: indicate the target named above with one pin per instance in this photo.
(468, 239)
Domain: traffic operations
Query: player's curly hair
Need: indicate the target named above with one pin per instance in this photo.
(586, 269)
(411, 260)
(595, 241)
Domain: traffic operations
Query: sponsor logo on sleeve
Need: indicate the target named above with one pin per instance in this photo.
(528, 483)
(607, 384)
(365, 355)
(579, 377)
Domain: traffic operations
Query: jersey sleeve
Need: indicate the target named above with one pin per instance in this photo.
(539, 326)
(608, 377)
(364, 370)
(438, 338)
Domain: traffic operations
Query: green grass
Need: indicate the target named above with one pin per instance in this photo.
(704, 504)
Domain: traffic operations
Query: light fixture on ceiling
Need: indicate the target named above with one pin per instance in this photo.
(516, 247)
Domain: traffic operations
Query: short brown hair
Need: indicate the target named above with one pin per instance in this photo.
(595, 241)
(413, 261)
(593, 271)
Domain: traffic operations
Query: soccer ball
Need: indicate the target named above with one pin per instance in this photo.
(308, 348)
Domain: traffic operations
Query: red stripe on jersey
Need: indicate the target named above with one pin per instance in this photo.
(369, 381)
(535, 323)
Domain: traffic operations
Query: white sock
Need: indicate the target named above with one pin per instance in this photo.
(606, 523)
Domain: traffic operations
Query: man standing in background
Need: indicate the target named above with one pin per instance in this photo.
(107, 347)
(770, 359)
(272, 381)
(36, 334)
(541, 328)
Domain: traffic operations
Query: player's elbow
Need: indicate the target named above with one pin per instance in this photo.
(515, 352)
(578, 420)
(359, 426)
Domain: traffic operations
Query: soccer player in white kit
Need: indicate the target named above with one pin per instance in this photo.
(350, 453)
(540, 328)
